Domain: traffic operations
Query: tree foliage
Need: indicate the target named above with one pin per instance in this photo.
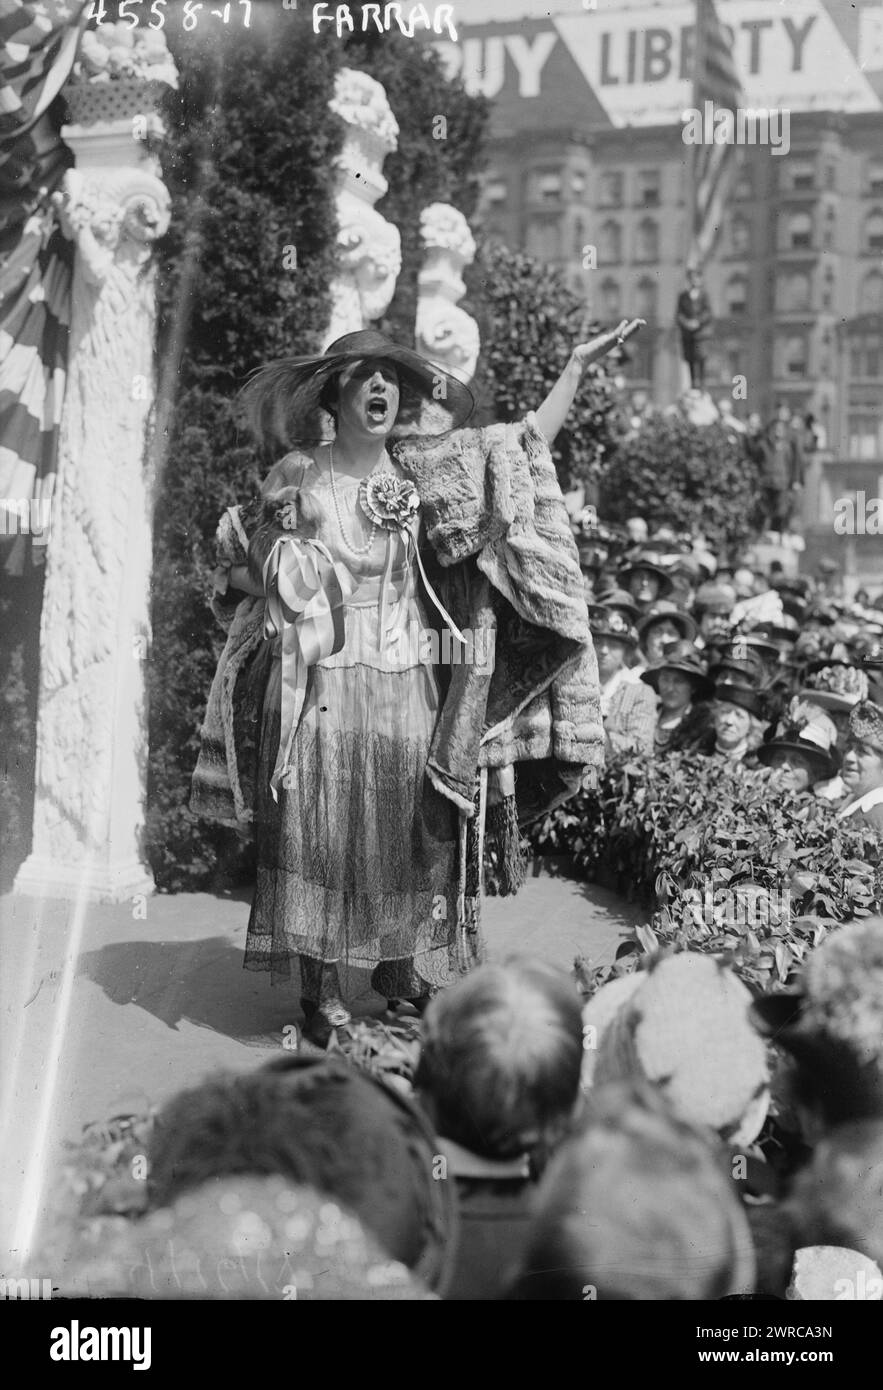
(530, 320)
(690, 477)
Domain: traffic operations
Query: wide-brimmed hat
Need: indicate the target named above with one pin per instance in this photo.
(835, 686)
(663, 610)
(756, 642)
(609, 622)
(621, 599)
(687, 661)
(285, 399)
(729, 693)
(782, 633)
(715, 598)
(650, 564)
(812, 741)
(738, 663)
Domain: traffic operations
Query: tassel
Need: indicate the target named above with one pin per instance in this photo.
(502, 826)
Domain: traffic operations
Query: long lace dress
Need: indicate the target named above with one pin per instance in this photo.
(357, 862)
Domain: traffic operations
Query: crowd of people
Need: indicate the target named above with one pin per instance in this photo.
(737, 660)
(544, 1148)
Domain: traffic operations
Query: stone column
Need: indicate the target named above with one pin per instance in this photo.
(369, 247)
(91, 719)
(446, 334)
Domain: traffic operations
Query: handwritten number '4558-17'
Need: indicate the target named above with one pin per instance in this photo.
(126, 8)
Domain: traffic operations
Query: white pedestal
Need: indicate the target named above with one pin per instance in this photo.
(94, 635)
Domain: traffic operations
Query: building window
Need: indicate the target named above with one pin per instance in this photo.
(875, 177)
(611, 243)
(734, 359)
(795, 293)
(543, 239)
(803, 178)
(611, 302)
(799, 231)
(647, 244)
(611, 189)
(740, 237)
(737, 294)
(865, 432)
(745, 184)
(648, 188)
(870, 299)
(874, 231)
(645, 299)
(794, 356)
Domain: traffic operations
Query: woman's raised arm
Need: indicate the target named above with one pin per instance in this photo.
(554, 409)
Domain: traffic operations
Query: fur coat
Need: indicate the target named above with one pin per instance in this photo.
(501, 556)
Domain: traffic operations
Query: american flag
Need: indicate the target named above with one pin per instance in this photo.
(38, 44)
(715, 80)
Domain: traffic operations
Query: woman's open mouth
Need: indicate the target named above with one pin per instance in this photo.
(377, 409)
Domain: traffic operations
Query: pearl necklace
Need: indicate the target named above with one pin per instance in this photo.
(358, 550)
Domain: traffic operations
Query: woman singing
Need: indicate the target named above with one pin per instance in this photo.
(410, 624)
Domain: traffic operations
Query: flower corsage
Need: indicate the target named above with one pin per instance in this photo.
(389, 501)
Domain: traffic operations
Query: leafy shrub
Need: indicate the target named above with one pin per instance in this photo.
(530, 321)
(680, 828)
(692, 478)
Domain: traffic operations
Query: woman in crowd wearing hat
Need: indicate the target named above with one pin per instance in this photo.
(738, 722)
(801, 755)
(832, 689)
(681, 681)
(628, 708)
(663, 624)
(713, 606)
(372, 751)
(862, 769)
(646, 581)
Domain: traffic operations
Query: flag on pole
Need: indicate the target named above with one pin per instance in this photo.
(716, 87)
(38, 44)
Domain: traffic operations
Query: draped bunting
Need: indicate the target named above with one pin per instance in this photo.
(38, 44)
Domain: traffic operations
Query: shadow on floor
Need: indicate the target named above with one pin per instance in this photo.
(204, 983)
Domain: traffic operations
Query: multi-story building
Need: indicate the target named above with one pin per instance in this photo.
(590, 172)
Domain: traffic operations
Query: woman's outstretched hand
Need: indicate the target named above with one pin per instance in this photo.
(553, 411)
(596, 348)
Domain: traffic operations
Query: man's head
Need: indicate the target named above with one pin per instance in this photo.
(500, 1061)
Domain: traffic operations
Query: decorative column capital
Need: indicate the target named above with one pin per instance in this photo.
(446, 334)
(369, 247)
